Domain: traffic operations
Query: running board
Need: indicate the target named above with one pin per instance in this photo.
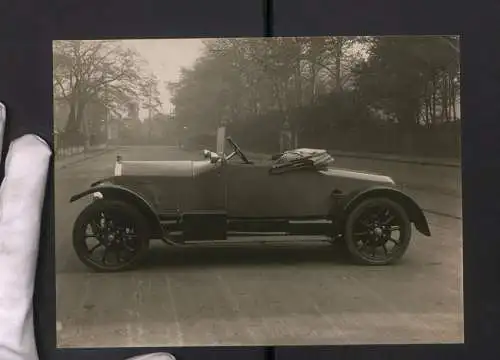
(244, 227)
(261, 240)
(223, 231)
(248, 239)
(272, 227)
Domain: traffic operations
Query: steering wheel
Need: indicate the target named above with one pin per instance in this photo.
(237, 151)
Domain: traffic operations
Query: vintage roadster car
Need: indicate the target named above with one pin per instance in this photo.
(227, 198)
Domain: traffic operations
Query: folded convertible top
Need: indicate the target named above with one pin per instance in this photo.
(303, 158)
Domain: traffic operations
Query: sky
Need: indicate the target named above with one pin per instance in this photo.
(165, 58)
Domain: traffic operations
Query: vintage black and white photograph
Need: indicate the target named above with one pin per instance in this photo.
(258, 191)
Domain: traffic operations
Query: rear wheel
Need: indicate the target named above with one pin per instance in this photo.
(110, 236)
(377, 232)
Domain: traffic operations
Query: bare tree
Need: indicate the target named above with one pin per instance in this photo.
(88, 70)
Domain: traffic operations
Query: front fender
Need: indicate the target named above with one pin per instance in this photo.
(414, 211)
(101, 187)
(116, 192)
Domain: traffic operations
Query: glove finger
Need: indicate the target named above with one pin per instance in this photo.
(21, 199)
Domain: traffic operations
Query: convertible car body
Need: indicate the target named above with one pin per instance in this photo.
(225, 198)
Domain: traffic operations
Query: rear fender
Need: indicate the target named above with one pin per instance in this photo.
(115, 192)
(415, 213)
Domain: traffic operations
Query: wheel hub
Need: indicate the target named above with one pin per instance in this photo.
(378, 234)
(114, 239)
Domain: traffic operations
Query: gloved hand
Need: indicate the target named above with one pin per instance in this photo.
(21, 200)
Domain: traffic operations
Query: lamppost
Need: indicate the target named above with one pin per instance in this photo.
(220, 138)
(182, 136)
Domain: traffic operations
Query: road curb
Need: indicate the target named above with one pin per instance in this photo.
(85, 158)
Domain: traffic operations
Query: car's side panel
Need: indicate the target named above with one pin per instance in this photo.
(205, 191)
(202, 190)
(163, 193)
(254, 192)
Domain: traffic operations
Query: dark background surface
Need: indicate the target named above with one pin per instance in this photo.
(27, 28)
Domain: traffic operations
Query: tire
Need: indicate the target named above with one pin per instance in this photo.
(355, 226)
(116, 208)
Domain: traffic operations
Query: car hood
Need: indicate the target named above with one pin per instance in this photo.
(171, 168)
(358, 175)
(157, 168)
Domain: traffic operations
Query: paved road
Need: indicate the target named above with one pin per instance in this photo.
(255, 295)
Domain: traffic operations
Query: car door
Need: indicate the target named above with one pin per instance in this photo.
(247, 190)
(253, 191)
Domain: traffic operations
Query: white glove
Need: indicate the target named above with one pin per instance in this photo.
(21, 200)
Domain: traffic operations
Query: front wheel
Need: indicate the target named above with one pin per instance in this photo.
(378, 232)
(110, 236)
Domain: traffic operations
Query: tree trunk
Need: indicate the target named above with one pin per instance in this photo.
(298, 92)
(106, 126)
(313, 84)
(71, 127)
(83, 124)
(86, 132)
(444, 98)
(427, 111)
(427, 107)
(338, 63)
(433, 101)
(298, 84)
(453, 101)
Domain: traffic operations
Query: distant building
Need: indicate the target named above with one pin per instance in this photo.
(133, 110)
(130, 127)
(157, 128)
(96, 117)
